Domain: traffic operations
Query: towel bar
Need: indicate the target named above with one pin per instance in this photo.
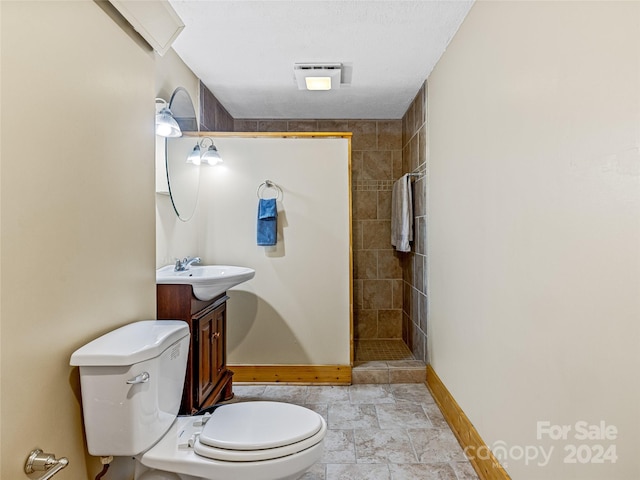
(269, 184)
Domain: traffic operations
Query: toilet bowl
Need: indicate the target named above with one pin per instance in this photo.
(131, 383)
(242, 441)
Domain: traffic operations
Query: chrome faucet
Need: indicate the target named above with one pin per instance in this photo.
(185, 263)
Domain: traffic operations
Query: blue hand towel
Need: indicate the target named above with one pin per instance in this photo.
(267, 221)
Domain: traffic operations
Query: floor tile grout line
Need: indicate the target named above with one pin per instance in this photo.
(415, 451)
(355, 446)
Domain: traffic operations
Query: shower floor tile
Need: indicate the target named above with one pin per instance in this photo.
(367, 350)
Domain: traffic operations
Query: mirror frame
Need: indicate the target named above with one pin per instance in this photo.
(181, 105)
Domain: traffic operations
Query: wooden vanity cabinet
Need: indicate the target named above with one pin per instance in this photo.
(207, 379)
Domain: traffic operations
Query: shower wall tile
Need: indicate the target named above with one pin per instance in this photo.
(302, 126)
(224, 121)
(333, 126)
(365, 204)
(356, 166)
(366, 264)
(389, 135)
(415, 305)
(408, 127)
(423, 313)
(376, 294)
(420, 197)
(376, 234)
(366, 323)
(398, 170)
(272, 125)
(384, 205)
(415, 159)
(356, 235)
(407, 269)
(357, 295)
(419, 344)
(406, 158)
(419, 116)
(389, 323)
(397, 294)
(364, 134)
(422, 145)
(377, 165)
(407, 331)
(388, 264)
(213, 116)
(414, 153)
(245, 125)
(418, 272)
(406, 299)
(420, 233)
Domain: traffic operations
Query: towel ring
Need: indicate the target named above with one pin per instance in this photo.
(269, 184)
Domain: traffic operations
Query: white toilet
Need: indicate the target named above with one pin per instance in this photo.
(132, 380)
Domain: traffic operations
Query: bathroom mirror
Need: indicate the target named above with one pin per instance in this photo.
(183, 177)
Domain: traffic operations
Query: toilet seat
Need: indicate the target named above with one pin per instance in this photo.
(256, 431)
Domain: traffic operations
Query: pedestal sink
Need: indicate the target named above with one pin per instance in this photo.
(208, 281)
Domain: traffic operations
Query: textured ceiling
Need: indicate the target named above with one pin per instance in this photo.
(244, 52)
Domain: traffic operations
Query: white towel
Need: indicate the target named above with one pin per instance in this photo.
(402, 214)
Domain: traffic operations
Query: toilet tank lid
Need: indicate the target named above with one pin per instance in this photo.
(131, 344)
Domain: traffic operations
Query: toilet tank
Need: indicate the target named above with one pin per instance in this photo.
(131, 381)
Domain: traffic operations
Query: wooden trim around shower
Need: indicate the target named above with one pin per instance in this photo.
(293, 374)
(348, 136)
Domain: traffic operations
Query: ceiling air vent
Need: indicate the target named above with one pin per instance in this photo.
(318, 76)
(155, 20)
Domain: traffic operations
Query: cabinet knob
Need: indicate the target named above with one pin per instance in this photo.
(216, 335)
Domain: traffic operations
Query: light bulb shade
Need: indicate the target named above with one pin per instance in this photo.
(211, 156)
(318, 83)
(194, 156)
(166, 125)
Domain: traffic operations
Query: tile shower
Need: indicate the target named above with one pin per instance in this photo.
(376, 160)
(390, 301)
(414, 264)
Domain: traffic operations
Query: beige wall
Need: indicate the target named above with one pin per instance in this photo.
(296, 310)
(534, 227)
(77, 198)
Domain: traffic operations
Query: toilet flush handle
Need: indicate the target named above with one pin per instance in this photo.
(142, 378)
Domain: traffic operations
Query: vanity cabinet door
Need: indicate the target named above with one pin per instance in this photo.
(210, 345)
(205, 353)
(219, 343)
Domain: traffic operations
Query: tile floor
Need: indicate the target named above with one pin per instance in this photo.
(376, 432)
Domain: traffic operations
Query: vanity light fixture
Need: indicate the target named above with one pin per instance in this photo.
(194, 156)
(166, 125)
(210, 157)
(323, 76)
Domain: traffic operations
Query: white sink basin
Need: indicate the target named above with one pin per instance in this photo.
(208, 281)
